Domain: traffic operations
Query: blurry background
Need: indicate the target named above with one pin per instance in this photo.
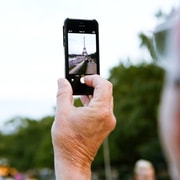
(32, 59)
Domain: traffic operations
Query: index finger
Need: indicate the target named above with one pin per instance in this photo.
(102, 87)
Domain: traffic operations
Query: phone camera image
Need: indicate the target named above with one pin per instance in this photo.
(82, 54)
(81, 45)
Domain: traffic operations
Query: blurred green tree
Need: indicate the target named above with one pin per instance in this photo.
(136, 93)
(30, 146)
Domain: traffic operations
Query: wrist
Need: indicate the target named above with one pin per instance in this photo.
(70, 168)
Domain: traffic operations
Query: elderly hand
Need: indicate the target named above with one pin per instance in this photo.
(78, 132)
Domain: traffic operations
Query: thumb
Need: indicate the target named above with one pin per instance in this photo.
(64, 94)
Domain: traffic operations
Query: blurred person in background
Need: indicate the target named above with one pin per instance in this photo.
(144, 170)
(169, 113)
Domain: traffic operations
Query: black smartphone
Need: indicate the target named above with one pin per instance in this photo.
(81, 47)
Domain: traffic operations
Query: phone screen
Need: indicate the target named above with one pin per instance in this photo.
(82, 55)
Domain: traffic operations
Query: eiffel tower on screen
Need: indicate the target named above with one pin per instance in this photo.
(84, 52)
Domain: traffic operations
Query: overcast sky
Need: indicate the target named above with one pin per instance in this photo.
(31, 45)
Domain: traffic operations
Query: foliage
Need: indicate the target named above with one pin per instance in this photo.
(155, 41)
(30, 146)
(148, 42)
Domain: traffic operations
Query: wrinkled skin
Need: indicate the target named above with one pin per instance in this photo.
(78, 132)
